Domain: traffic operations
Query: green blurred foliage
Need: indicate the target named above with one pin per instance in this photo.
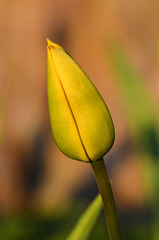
(40, 227)
(142, 118)
(29, 227)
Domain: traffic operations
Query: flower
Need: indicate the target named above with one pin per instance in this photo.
(80, 120)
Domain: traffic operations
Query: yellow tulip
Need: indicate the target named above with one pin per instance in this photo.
(81, 123)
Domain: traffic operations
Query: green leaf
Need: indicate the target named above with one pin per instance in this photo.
(87, 221)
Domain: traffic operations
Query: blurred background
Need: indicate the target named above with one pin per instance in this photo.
(42, 192)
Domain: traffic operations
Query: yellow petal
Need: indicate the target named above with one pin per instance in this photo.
(81, 123)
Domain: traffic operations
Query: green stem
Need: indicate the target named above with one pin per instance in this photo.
(110, 209)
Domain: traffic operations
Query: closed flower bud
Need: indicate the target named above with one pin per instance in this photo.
(81, 123)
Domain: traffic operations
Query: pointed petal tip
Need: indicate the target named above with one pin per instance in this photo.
(52, 44)
(49, 42)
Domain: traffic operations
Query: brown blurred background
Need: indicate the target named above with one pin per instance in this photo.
(34, 174)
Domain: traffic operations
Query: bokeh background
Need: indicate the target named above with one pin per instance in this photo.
(42, 192)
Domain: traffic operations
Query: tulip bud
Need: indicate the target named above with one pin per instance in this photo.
(80, 120)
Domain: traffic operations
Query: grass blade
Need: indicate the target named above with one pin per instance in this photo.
(87, 221)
